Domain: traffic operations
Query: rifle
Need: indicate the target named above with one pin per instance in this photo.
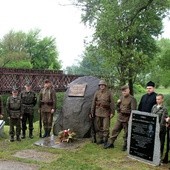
(165, 160)
(40, 125)
(93, 130)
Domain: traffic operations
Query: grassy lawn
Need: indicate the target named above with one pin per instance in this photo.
(87, 157)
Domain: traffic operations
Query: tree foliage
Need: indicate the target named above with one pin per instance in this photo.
(125, 33)
(163, 63)
(28, 50)
(12, 49)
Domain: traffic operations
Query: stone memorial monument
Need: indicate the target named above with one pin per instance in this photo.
(143, 137)
(76, 107)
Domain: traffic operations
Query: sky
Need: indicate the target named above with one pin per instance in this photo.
(53, 19)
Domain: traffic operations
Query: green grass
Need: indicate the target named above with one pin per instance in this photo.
(87, 157)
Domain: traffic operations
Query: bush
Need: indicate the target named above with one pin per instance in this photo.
(60, 97)
(138, 89)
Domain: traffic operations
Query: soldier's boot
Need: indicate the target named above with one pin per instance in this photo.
(108, 145)
(45, 133)
(23, 134)
(18, 138)
(48, 132)
(12, 139)
(99, 141)
(105, 141)
(31, 134)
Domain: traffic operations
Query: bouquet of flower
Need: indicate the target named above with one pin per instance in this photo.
(66, 135)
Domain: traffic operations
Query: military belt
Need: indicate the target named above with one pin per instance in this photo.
(48, 103)
(15, 109)
(27, 104)
(125, 113)
(103, 106)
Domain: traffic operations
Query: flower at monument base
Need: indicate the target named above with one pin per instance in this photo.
(66, 136)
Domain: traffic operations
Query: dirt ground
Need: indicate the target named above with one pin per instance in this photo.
(13, 165)
(36, 155)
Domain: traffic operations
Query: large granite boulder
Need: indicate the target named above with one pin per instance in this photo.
(76, 107)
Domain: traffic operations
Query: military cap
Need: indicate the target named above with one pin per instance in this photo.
(28, 83)
(150, 83)
(124, 87)
(14, 89)
(47, 81)
(102, 82)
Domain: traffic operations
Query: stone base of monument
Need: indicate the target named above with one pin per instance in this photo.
(54, 142)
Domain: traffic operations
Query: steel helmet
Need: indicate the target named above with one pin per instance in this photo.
(102, 82)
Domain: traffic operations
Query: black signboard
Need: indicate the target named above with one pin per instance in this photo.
(142, 137)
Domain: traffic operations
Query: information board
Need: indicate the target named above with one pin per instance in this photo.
(143, 137)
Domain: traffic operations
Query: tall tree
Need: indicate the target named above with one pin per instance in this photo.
(12, 49)
(43, 52)
(125, 31)
(28, 50)
(163, 62)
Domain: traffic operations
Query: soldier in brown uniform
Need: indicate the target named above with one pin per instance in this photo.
(1, 108)
(125, 105)
(102, 109)
(13, 107)
(47, 105)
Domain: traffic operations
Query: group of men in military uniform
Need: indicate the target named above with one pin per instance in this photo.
(103, 109)
(20, 109)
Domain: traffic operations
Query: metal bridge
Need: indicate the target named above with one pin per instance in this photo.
(10, 77)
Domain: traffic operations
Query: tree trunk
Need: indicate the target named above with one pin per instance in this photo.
(130, 80)
(131, 87)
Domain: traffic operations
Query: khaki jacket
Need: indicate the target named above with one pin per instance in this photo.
(47, 99)
(103, 104)
(126, 105)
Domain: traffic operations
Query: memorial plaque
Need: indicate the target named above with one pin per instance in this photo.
(143, 137)
(77, 90)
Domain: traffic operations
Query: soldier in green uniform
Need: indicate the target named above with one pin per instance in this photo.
(47, 105)
(1, 108)
(102, 109)
(13, 107)
(125, 105)
(28, 100)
